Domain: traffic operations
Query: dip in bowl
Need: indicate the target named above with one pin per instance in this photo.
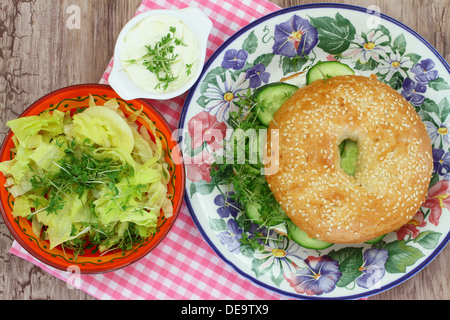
(160, 54)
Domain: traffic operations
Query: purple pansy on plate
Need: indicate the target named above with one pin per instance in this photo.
(413, 91)
(226, 205)
(281, 45)
(319, 276)
(373, 268)
(257, 75)
(235, 59)
(295, 37)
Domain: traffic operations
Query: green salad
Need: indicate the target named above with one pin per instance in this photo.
(94, 178)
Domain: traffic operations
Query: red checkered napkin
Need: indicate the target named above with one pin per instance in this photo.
(183, 266)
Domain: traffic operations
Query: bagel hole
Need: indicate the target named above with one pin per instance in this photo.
(349, 151)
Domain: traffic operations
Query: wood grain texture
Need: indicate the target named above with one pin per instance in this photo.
(39, 54)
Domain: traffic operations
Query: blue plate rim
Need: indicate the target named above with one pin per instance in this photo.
(188, 99)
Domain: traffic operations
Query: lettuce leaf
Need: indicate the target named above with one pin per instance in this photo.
(104, 127)
(27, 128)
(136, 199)
(46, 156)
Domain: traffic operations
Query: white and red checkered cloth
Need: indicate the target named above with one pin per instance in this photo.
(183, 266)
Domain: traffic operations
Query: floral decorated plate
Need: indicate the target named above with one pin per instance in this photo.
(278, 46)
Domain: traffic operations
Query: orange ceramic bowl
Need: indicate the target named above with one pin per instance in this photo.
(92, 261)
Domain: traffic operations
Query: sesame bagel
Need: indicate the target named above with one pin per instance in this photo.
(393, 169)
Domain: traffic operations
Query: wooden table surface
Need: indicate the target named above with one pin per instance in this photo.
(39, 54)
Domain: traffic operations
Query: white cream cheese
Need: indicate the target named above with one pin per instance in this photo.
(147, 33)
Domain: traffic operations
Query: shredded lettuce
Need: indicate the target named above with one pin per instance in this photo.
(29, 130)
(93, 178)
(104, 127)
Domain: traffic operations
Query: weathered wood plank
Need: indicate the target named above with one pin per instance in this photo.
(39, 54)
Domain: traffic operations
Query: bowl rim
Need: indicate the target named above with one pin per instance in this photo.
(139, 254)
(118, 80)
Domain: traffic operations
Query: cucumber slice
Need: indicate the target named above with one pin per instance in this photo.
(349, 156)
(251, 170)
(300, 237)
(270, 97)
(376, 240)
(327, 69)
(253, 208)
(252, 212)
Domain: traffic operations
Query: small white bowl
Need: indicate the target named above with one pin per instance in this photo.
(194, 19)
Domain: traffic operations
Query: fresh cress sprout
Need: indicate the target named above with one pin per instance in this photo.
(160, 58)
(243, 186)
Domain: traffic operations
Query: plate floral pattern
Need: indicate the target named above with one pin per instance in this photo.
(274, 47)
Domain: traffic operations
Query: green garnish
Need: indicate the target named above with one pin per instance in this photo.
(79, 172)
(188, 69)
(243, 185)
(160, 58)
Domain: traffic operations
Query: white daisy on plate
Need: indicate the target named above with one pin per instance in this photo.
(394, 63)
(222, 95)
(366, 46)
